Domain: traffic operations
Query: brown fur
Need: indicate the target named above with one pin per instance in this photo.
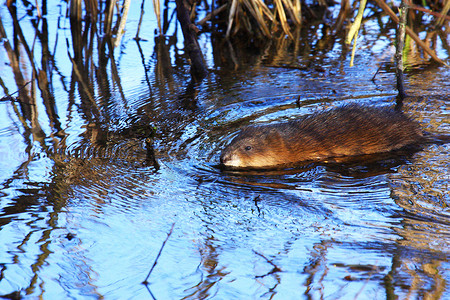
(345, 131)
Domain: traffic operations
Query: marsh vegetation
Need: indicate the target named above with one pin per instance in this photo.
(106, 140)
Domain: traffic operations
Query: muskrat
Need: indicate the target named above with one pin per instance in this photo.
(349, 130)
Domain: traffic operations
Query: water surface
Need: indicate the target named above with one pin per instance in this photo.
(84, 207)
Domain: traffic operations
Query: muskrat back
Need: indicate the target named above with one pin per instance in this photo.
(344, 131)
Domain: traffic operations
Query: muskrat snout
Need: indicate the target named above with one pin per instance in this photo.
(226, 158)
(244, 151)
(223, 159)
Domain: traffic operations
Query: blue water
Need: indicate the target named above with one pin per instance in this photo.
(84, 211)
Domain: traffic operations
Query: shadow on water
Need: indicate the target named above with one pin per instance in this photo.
(108, 141)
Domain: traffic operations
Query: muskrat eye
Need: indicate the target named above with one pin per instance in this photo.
(248, 148)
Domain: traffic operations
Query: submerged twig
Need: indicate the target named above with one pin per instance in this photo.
(256, 200)
(10, 96)
(275, 267)
(159, 254)
(151, 294)
(376, 73)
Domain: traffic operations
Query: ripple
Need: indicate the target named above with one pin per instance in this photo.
(85, 216)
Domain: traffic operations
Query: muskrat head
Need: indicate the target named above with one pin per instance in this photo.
(253, 147)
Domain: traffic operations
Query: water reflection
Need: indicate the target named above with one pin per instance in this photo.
(103, 148)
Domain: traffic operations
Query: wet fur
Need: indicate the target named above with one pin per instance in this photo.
(344, 131)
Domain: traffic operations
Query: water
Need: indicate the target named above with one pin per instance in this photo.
(84, 209)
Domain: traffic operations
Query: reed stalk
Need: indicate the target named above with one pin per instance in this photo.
(283, 20)
(443, 15)
(399, 50)
(410, 32)
(353, 32)
(140, 21)
(157, 9)
(123, 20)
(75, 10)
